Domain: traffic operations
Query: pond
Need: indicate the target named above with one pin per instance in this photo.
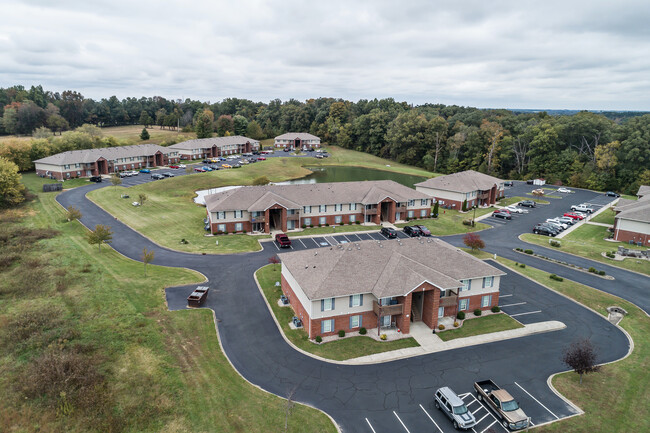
(354, 174)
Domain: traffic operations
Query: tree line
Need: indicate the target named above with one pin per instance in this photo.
(586, 149)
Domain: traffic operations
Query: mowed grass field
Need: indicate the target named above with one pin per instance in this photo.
(616, 398)
(605, 217)
(450, 222)
(88, 344)
(480, 326)
(589, 241)
(170, 214)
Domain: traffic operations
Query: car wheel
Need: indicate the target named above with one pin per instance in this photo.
(548, 234)
(456, 425)
(505, 424)
(536, 232)
(479, 397)
(437, 405)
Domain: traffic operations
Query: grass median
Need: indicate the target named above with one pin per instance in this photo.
(605, 217)
(588, 241)
(481, 326)
(514, 200)
(338, 350)
(450, 222)
(617, 396)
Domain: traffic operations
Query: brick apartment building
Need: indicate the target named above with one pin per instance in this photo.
(106, 160)
(214, 147)
(288, 207)
(388, 284)
(297, 140)
(453, 189)
(632, 220)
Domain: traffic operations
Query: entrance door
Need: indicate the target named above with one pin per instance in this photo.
(398, 216)
(291, 225)
(275, 219)
(441, 312)
(368, 218)
(385, 321)
(385, 209)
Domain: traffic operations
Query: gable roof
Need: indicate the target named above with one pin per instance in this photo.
(109, 153)
(464, 181)
(638, 210)
(294, 135)
(205, 143)
(392, 268)
(311, 194)
(644, 190)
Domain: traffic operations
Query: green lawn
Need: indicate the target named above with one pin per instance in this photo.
(35, 183)
(588, 241)
(605, 217)
(338, 350)
(128, 363)
(546, 195)
(617, 396)
(480, 326)
(450, 222)
(514, 200)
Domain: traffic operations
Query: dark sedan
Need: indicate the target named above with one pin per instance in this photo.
(412, 231)
(501, 214)
(528, 203)
(157, 176)
(424, 230)
(388, 232)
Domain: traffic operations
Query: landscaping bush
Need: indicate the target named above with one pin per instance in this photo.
(555, 277)
(304, 226)
(319, 339)
(556, 244)
(495, 309)
(460, 315)
(522, 265)
(383, 337)
(363, 331)
(341, 333)
(456, 323)
(601, 272)
(441, 327)
(519, 249)
(327, 224)
(311, 226)
(528, 251)
(357, 222)
(243, 231)
(609, 254)
(467, 222)
(478, 312)
(592, 270)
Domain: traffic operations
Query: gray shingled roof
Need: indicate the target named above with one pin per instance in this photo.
(297, 196)
(464, 181)
(109, 153)
(387, 268)
(644, 190)
(205, 143)
(294, 135)
(638, 210)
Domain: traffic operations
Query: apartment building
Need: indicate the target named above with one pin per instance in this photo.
(453, 189)
(632, 220)
(202, 148)
(297, 140)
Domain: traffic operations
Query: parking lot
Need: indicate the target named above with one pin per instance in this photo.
(334, 240)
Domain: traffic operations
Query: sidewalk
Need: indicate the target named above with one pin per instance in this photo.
(431, 343)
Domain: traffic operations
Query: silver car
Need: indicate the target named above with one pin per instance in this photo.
(454, 407)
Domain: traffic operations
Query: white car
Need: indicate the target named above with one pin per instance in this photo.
(134, 173)
(182, 166)
(514, 209)
(558, 222)
(565, 190)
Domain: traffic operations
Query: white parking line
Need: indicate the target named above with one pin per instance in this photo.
(486, 428)
(503, 296)
(315, 242)
(332, 238)
(512, 305)
(523, 314)
(481, 407)
(348, 239)
(358, 237)
(303, 244)
(484, 416)
(549, 411)
(400, 421)
(434, 423)
(462, 396)
(382, 235)
(370, 425)
(275, 245)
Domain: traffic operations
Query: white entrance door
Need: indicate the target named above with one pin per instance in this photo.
(441, 312)
(291, 225)
(385, 321)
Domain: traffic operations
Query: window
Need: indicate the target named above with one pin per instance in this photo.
(76, 166)
(322, 208)
(356, 300)
(338, 207)
(487, 281)
(355, 321)
(78, 173)
(369, 206)
(467, 284)
(486, 301)
(411, 203)
(306, 209)
(411, 214)
(423, 213)
(66, 167)
(352, 218)
(291, 212)
(338, 219)
(441, 312)
(353, 206)
(239, 227)
(306, 221)
(441, 201)
(238, 214)
(463, 304)
(221, 228)
(327, 304)
(424, 201)
(327, 326)
(219, 215)
(322, 220)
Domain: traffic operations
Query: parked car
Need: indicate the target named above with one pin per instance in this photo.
(538, 191)
(566, 220)
(514, 209)
(528, 203)
(157, 176)
(574, 215)
(508, 183)
(145, 170)
(206, 168)
(557, 221)
(424, 230)
(558, 226)
(529, 182)
(182, 166)
(390, 233)
(564, 190)
(236, 166)
(502, 214)
(226, 166)
(502, 404)
(261, 158)
(554, 228)
(612, 194)
(412, 231)
(283, 240)
(454, 407)
(540, 229)
(124, 174)
(206, 161)
(168, 174)
(199, 169)
(582, 208)
(174, 166)
(319, 156)
(97, 179)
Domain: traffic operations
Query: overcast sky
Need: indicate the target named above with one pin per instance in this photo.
(516, 54)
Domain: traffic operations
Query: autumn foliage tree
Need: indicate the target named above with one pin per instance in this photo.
(473, 241)
(581, 357)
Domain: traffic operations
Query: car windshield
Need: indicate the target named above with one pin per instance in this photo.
(509, 406)
(459, 410)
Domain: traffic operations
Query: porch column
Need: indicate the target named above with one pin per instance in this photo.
(283, 216)
(267, 224)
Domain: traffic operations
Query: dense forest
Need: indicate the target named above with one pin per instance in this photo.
(603, 151)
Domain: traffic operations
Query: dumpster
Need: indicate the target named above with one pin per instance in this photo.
(198, 296)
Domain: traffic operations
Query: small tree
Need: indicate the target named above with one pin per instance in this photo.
(144, 135)
(473, 241)
(581, 357)
(142, 197)
(147, 257)
(436, 206)
(116, 180)
(73, 213)
(464, 207)
(274, 260)
(101, 234)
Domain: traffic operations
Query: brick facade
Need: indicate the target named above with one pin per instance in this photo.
(231, 227)
(627, 236)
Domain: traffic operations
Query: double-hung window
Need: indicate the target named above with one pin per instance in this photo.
(238, 214)
(327, 304)
(327, 326)
(221, 228)
(322, 220)
(424, 201)
(239, 227)
(486, 301)
(411, 214)
(338, 207)
(220, 215)
(338, 219)
(306, 209)
(487, 282)
(467, 284)
(353, 206)
(423, 213)
(352, 218)
(322, 208)
(355, 321)
(306, 221)
(411, 202)
(356, 300)
(463, 304)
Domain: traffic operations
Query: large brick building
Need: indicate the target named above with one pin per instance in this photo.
(297, 140)
(453, 189)
(387, 284)
(201, 148)
(632, 220)
(287, 207)
(106, 160)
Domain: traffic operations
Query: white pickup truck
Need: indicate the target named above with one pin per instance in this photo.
(585, 208)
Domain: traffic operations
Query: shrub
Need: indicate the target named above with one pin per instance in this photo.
(460, 315)
(243, 231)
(319, 339)
(478, 312)
(495, 309)
(519, 249)
(362, 331)
(341, 333)
(311, 226)
(357, 222)
(555, 277)
(592, 269)
(349, 223)
(601, 272)
(522, 265)
(609, 254)
(556, 244)
(456, 323)
(383, 337)
(304, 226)
(441, 327)
(528, 251)
(467, 222)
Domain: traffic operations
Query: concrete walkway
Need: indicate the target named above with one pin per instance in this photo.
(431, 343)
(599, 224)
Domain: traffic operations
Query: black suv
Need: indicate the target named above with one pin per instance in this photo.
(412, 231)
(97, 179)
(388, 232)
(612, 194)
(157, 176)
(528, 203)
(508, 183)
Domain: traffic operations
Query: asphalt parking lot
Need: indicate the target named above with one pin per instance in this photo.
(332, 240)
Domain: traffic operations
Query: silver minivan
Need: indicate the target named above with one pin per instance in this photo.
(454, 407)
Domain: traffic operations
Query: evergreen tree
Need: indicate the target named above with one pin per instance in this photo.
(204, 124)
(144, 135)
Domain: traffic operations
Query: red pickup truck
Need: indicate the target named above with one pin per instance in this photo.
(283, 240)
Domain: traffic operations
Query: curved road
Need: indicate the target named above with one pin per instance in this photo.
(389, 397)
